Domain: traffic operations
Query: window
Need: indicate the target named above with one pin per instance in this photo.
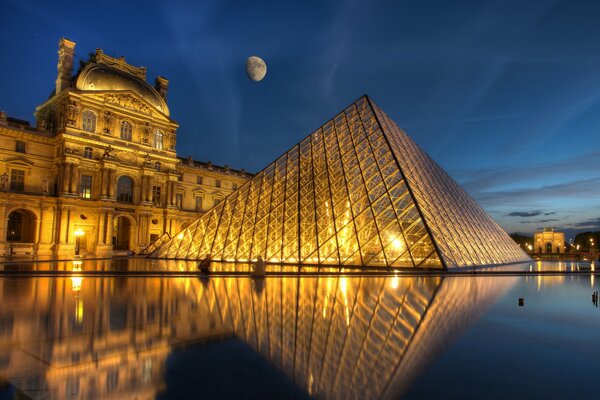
(156, 195)
(178, 199)
(234, 186)
(216, 201)
(89, 121)
(17, 180)
(157, 166)
(126, 129)
(125, 189)
(20, 146)
(85, 187)
(217, 183)
(158, 140)
(198, 203)
(88, 152)
(199, 180)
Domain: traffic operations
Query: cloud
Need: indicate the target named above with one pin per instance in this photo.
(485, 178)
(524, 214)
(591, 223)
(579, 189)
(541, 221)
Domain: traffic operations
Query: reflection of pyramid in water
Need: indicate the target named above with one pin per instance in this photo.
(358, 191)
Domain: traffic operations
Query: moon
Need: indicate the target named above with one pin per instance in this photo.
(256, 68)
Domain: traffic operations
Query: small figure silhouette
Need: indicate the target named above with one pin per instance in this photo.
(259, 268)
(204, 265)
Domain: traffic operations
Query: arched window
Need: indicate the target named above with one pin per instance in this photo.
(158, 140)
(126, 130)
(125, 189)
(89, 121)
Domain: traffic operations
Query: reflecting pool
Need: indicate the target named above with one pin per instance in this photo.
(330, 336)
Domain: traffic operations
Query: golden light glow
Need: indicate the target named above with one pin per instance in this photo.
(332, 200)
(79, 232)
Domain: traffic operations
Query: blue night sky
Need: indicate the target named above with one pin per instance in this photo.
(504, 95)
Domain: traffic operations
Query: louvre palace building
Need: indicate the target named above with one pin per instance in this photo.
(99, 174)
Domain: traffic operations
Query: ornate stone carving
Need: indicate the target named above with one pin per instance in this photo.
(146, 129)
(45, 186)
(4, 181)
(108, 152)
(108, 120)
(128, 101)
(72, 113)
(125, 157)
(120, 63)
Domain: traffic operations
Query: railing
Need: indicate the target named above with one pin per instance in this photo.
(21, 249)
(156, 244)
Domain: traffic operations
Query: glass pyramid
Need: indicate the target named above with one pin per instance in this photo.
(357, 191)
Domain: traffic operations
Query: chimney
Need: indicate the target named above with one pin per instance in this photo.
(66, 51)
(162, 84)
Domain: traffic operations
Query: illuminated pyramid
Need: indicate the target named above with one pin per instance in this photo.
(358, 191)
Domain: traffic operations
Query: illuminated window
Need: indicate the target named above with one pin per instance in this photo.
(158, 139)
(20, 146)
(199, 203)
(126, 130)
(85, 187)
(156, 195)
(17, 180)
(178, 199)
(88, 152)
(217, 183)
(89, 121)
(125, 189)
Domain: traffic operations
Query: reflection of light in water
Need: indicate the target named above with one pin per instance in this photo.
(79, 311)
(327, 294)
(343, 288)
(395, 282)
(76, 282)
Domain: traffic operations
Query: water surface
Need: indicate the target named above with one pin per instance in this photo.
(359, 336)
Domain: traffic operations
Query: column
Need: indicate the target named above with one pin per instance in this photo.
(38, 234)
(144, 189)
(149, 190)
(64, 222)
(103, 183)
(65, 178)
(4, 224)
(172, 196)
(74, 178)
(111, 183)
(109, 227)
(101, 225)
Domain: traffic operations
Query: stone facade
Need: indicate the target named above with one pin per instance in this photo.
(549, 241)
(99, 172)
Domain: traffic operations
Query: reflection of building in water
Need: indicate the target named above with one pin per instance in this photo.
(549, 241)
(335, 337)
(357, 338)
(76, 337)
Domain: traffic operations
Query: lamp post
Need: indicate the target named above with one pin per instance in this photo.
(78, 234)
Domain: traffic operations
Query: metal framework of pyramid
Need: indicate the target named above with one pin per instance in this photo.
(357, 191)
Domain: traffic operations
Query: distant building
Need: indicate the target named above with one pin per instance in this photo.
(99, 173)
(549, 241)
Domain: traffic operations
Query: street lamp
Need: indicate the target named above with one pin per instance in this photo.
(78, 234)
